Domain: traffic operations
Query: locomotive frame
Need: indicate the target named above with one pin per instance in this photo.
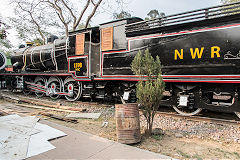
(197, 49)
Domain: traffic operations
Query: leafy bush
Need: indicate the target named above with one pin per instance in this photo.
(151, 86)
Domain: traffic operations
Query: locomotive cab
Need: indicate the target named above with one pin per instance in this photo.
(113, 35)
(115, 47)
(84, 53)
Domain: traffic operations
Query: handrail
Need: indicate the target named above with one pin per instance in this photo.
(185, 17)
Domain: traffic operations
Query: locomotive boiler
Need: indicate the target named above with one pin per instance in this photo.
(199, 51)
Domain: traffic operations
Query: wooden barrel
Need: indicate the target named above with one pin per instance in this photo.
(127, 123)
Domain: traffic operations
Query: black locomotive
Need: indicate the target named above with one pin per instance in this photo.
(199, 51)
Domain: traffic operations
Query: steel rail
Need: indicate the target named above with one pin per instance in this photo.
(200, 119)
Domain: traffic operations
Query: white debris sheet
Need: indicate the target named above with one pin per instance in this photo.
(84, 115)
(23, 137)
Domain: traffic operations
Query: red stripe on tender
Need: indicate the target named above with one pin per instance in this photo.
(132, 76)
(202, 81)
(207, 76)
(182, 76)
(117, 79)
(165, 80)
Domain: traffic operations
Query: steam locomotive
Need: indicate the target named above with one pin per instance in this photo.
(199, 51)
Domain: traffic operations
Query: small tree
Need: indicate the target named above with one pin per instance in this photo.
(151, 86)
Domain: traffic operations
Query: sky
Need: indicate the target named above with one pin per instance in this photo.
(137, 8)
(142, 7)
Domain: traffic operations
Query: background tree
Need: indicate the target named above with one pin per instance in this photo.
(67, 13)
(229, 1)
(5, 45)
(33, 20)
(82, 26)
(38, 42)
(38, 18)
(153, 14)
(151, 86)
(121, 15)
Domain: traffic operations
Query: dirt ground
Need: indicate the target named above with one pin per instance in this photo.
(167, 144)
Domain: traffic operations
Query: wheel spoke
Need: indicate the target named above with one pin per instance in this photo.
(238, 114)
(40, 81)
(185, 103)
(56, 83)
(187, 112)
(76, 88)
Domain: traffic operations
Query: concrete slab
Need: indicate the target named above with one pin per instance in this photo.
(22, 137)
(80, 145)
(84, 115)
(121, 151)
(39, 142)
(16, 132)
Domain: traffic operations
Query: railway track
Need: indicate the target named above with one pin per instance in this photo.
(17, 96)
(201, 118)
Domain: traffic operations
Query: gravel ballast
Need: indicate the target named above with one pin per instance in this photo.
(195, 129)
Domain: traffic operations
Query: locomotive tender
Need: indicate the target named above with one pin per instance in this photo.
(199, 51)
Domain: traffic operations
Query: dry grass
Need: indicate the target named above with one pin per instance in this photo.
(168, 144)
